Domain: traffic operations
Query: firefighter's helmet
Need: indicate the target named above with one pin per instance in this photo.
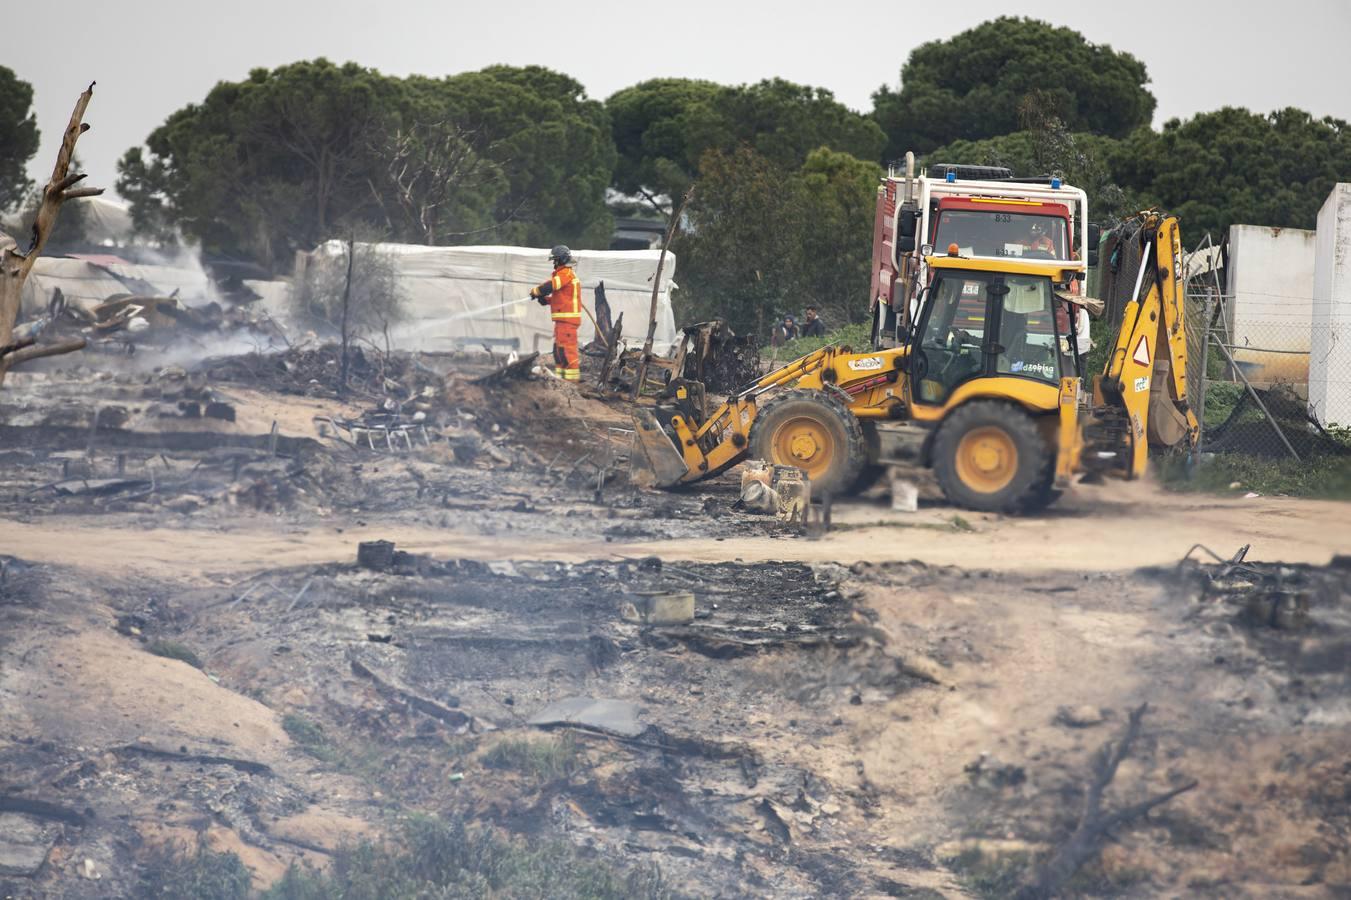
(561, 256)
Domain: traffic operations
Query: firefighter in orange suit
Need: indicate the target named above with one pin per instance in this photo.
(563, 295)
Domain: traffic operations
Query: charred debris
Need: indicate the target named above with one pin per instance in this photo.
(654, 716)
(423, 437)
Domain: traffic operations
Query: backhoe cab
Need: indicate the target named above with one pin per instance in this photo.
(984, 387)
(988, 361)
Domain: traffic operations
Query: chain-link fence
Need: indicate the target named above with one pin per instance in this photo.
(1199, 308)
(1266, 388)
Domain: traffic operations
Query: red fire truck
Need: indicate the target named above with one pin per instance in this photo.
(971, 212)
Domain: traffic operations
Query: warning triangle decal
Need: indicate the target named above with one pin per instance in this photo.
(1142, 351)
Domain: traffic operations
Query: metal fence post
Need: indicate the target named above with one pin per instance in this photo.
(1205, 380)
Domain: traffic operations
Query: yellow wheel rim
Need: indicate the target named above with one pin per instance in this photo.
(805, 443)
(987, 459)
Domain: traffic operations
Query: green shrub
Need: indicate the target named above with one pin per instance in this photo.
(1100, 333)
(543, 758)
(1000, 875)
(205, 875)
(447, 859)
(859, 337)
(309, 736)
(1221, 398)
(991, 875)
(1248, 453)
(174, 650)
(1325, 477)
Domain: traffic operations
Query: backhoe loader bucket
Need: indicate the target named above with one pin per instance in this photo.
(664, 462)
(1168, 425)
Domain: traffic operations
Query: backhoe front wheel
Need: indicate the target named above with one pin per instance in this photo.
(990, 456)
(814, 432)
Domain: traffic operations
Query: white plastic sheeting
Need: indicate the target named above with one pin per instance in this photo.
(191, 282)
(84, 284)
(454, 296)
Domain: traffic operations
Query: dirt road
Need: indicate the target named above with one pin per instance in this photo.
(1113, 527)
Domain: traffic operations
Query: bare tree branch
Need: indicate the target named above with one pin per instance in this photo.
(15, 266)
(1122, 816)
(25, 354)
(433, 173)
(69, 181)
(661, 210)
(672, 227)
(1093, 826)
(17, 345)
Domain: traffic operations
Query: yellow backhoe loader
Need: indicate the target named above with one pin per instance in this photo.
(984, 388)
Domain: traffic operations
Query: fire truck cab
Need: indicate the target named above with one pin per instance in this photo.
(973, 212)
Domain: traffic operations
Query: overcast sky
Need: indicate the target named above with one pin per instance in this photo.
(151, 57)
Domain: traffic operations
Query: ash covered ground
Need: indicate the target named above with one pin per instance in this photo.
(191, 657)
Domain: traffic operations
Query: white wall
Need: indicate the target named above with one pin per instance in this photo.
(1330, 347)
(1271, 276)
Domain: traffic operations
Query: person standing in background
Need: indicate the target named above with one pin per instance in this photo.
(1081, 338)
(813, 326)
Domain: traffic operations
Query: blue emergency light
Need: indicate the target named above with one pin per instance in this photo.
(952, 176)
(1055, 184)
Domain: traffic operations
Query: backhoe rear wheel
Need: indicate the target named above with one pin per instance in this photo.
(990, 456)
(815, 432)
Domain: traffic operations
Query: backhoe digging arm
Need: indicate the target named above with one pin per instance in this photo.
(864, 384)
(1145, 377)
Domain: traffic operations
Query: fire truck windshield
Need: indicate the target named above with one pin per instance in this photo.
(998, 233)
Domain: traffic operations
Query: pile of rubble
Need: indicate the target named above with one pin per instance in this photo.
(316, 370)
(127, 321)
(709, 353)
(271, 432)
(1271, 595)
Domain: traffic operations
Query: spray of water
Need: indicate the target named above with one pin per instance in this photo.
(423, 324)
